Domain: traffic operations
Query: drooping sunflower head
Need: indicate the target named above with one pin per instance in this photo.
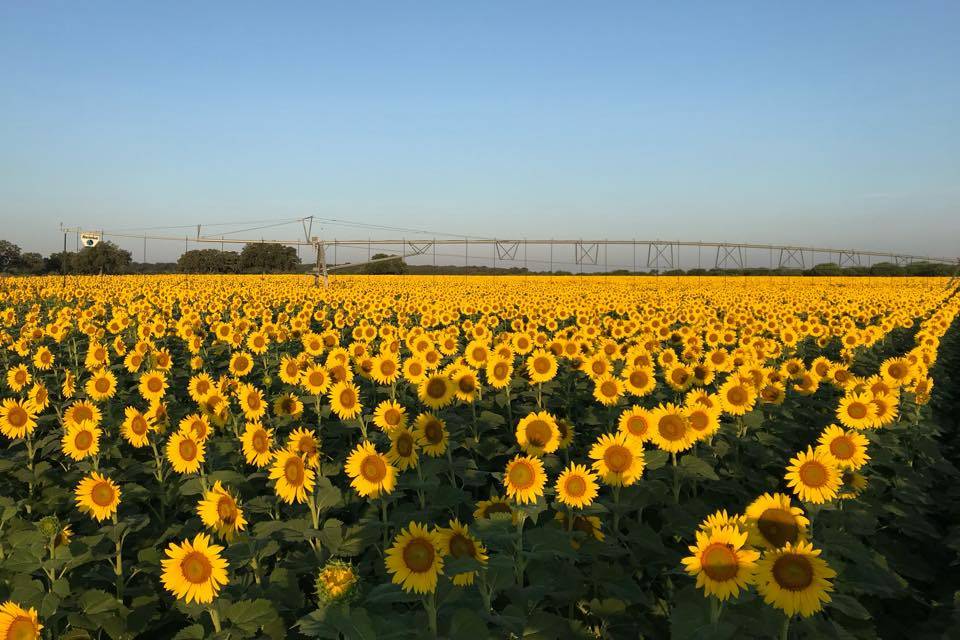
(496, 508)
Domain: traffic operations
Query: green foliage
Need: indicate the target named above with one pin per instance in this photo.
(268, 258)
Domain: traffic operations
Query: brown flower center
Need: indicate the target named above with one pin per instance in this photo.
(813, 474)
(373, 469)
(778, 527)
(793, 572)
(196, 567)
(719, 562)
(418, 555)
(617, 458)
(672, 427)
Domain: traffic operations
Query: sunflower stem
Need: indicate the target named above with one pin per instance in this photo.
(785, 629)
(520, 561)
(215, 619)
(430, 604)
(716, 609)
(540, 395)
(386, 531)
(423, 504)
(616, 509)
(676, 479)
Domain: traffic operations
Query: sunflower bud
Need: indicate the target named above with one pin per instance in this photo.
(336, 582)
(49, 526)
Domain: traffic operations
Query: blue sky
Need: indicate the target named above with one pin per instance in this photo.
(827, 123)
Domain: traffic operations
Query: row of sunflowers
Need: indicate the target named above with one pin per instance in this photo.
(251, 456)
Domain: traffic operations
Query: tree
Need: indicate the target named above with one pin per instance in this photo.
(208, 261)
(395, 266)
(9, 255)
(262, 257)
(31, 262)
(106, 257)
(825, 269)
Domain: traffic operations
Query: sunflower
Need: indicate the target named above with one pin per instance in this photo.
(857, 411)
(456, 542)
(345, 400)
(69, 385)
(813, 477)
(316, 379)
(887, 408)
(524, 478)
(17, 419)
(38, 396)
(679, 377)
(251, 402)
(98, 496)
(465, 384)
(590, 526)
(81, 440)
(43, 359)
(18, 377)
(220, 512)
(257, 442)
(17, 623)
(82, 410)
(294, 479)
(496, 508)
(576, 486)
(415, 559)
(896, 371)
(639, 381)
(795, 579)
(773, 521)
(618, 459)
(288, 405)
(403, 449)
(200, 387)
(390, 415)
(135, 427)
(703, 421)
(102, 385)
(194, 571)
(414, 370)
(635, 423)
(566, 429)
(185, 453)
(436, 391)
(336, 582)
(305, 443)
(196, 426)
(371, 473)
(386, 369)
(737, 397)
(153, 384)
(541, 366)
(720, 519)
(499, 371)
(607, 389)
(853, 484)
(241, 363)
(432, 435)
(720, 563)
(846, 449)
(672, 431)
(538, 433)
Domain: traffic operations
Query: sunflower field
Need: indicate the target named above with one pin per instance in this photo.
(478, 457)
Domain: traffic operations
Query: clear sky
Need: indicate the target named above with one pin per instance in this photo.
(833, 123)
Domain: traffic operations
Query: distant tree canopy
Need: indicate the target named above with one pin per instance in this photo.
(9, 255)
(268, 258)
(209, 261)
(395, 266)
(106, 257)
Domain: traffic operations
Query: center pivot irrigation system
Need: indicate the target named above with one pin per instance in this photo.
(656, 256)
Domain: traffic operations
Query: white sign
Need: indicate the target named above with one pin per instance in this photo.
(89, 239)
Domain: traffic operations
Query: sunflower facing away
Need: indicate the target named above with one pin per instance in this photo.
(415, 559)
(220, 512)
(795, 579)
(98, 496)
(194, 571)
(720, 563)
(371, 473)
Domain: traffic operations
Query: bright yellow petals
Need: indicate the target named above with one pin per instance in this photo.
(194, 571)
(251, 402)
(295, 480)
(257, 443)
(737, 397)
(846, 449)
(795, 579)
(457, 542)
(773, 521)
(524, 479)
(576, 486)
(241, 364)
(80, 441)
(541, 366)
(618, 459)
(436, 391)
(17, 419)
(136, 427)
(345, 400)
(97, 496)
(17, 623)
(390, 415)
(153, 386)
(607, 389)
(403, 449)
(857, 411)
(185, 453)
(538, 433)
(101, 386)
(371, 474)
(415, 559)
(431, 434)
(637, 423)
(315, 379)
(306, 444)
(720, 563)
(220, 512)
(671, 430)
(813, 477)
